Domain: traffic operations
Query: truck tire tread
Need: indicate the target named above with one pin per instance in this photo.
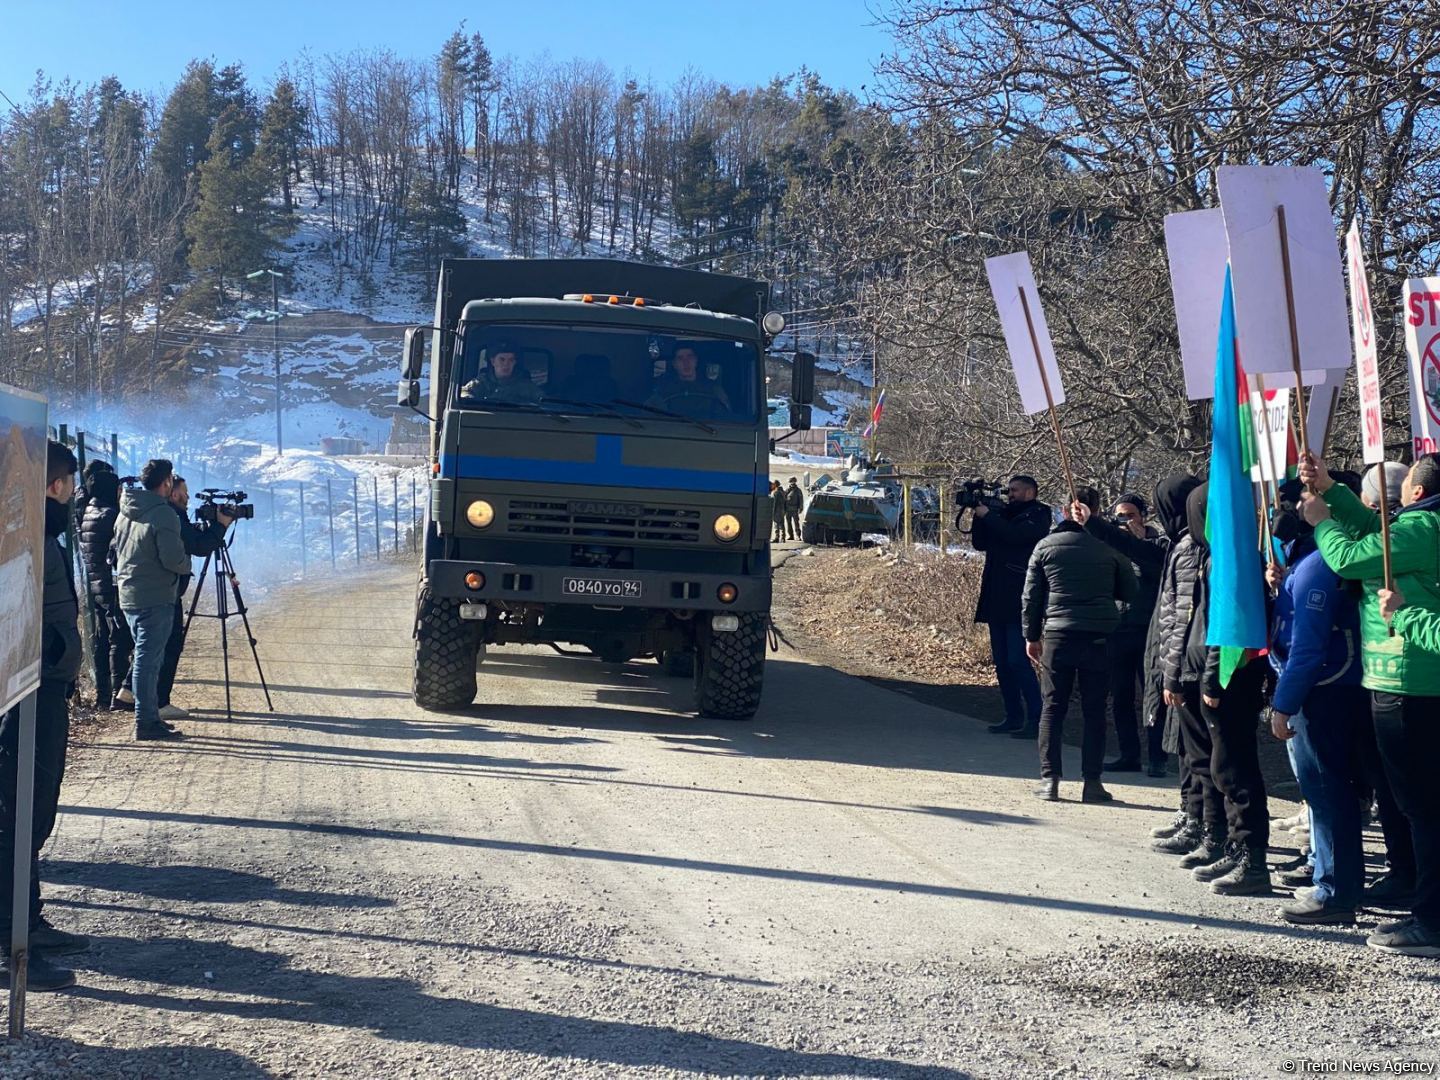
(730, 670)
(446, 647)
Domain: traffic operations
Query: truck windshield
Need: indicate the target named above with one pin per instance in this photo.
(578, 369)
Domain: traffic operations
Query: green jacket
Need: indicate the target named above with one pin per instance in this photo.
(149, 553)
(1350, 545)
(1418, 627)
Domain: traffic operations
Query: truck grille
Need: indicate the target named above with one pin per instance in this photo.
(558, 519)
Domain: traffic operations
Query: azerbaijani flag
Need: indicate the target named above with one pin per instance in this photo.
(875, 415)
(1237, 593)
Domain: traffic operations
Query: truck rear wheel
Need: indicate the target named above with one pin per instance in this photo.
(446, 649)
(730, 669)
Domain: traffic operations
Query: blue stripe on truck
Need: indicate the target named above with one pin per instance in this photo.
(607, 469)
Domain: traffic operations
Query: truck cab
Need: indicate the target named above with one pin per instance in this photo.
(600, 460)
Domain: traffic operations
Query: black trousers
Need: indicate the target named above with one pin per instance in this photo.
(1127, 668)
(174, 646)
(110, 649)
(1068, 659)
(1235, 756)
(52, 733)
(1407, 731)
(1394, 826)
(1203, 800)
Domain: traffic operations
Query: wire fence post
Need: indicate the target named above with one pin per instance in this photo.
(302, 528)
(395, 506)
(330, 518)
(375, 492)
(274, 517)
(203, 482)
(115, 450)
(355, 513)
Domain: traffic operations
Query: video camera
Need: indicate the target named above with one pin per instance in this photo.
(978, 492)
(215, 501)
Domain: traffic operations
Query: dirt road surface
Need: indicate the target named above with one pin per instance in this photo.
(577, 878)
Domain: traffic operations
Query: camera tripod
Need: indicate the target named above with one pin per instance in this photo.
(222, 569)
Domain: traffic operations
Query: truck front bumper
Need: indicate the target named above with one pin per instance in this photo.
(664, 590)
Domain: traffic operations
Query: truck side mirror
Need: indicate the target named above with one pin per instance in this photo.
(802, 379)
(415, 351)
(407, 395)
(800, 417)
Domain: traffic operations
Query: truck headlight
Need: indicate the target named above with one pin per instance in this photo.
(727, 528)
(480, 514)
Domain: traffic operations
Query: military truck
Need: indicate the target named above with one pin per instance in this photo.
(600, 457)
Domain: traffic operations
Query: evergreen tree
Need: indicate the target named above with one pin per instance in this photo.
(434, 229)
(282, 131)
(231, 228)
(185, 123)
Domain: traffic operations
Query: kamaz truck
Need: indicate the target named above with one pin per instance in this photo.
(600, 455)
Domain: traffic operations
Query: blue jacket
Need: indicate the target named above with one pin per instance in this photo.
(1315, 634)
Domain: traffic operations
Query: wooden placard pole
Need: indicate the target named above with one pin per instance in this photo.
(1049, 398)
(1385, 528)
(1329, 421)
(1294, 332)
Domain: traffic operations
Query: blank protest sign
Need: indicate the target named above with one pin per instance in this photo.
(1250, 196)
(1008, 275)
(1196, 249)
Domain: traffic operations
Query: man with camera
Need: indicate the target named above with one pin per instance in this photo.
(149, 559)
(201, 538)
(1007, 533)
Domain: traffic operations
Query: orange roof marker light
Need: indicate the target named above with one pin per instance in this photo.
(587, 299)
(639, 301)
(614, 300)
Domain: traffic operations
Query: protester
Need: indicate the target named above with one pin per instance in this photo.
(1395, 474)
(200, 539)
(1007, 536)
(1072, 586)
(1183, 833)
(1145, 547)
(1403, 677)
(110, 644)
(1317, 703)
(60, 657)
(149, 559)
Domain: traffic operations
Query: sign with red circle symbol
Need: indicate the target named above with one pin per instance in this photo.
(1421, 307)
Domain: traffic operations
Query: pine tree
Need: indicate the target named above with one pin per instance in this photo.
(282, 131)
(231, 228)
(434, 228)
(185, 123)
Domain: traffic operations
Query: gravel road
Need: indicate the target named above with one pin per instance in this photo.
(576, 878)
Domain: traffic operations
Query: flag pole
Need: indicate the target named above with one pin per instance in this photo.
(1294, 333)
(1049, 398)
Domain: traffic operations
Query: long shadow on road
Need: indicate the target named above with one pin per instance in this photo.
(395, 1008)
(208, 883)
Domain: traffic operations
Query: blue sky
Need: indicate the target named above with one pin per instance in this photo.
(147, 43)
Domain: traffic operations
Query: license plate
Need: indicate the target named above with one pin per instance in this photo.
(602, 588)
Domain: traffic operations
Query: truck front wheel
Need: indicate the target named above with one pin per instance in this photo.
(446, 650)
(730, 669)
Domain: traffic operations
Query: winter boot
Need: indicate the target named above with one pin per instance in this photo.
(1164, 832)
(1094, 792)
(1249, 877)
(1049, 790)
(1183, 841)
(1212, 848)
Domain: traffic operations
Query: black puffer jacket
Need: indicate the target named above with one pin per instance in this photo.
(1148, 556)
(1007, 537)
(1183, 609)
(97, 530)
(1073, 583)
(60, 648)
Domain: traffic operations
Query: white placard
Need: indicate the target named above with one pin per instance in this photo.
(1319, 405)
(1422, 343)
(1197, 252)
(1009, 274)
(1270, 413)
(1250, 196)
(1367, 360)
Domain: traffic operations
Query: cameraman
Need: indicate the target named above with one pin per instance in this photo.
(1007, 535)
(200, 538)
(149, 559)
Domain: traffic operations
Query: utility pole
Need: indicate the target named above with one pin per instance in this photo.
(275, 277)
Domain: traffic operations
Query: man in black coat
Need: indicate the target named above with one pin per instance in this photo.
(200, 539)
(60, 656)
(110, 643)
(1145, 547)
(1073, 587)
(1007, 535)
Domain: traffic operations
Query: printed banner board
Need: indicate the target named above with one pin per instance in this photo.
(1250, 196)
(23, 441)
(1009, 274)
(1367, 360)
(1422, 343)
(1270, 413)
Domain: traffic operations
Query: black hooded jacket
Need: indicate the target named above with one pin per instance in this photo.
(1008, 537)
(97, 530)
(1170, 498)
